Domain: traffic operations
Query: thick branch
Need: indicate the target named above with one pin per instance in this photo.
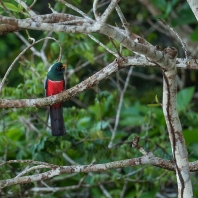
(89, 27)
(6, 28)
(194, 6)
(88, 83)
(115, 33)
(146, 159)
(57, 18)
(180, 155)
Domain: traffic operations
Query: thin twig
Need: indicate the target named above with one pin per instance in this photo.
(46, 41)
(35, 52)
(50, 7)
(124, 189)
(119, 107)
(180, 39)
(44, 58)
(146, 126)
(118, 51)
(75, 9)
(67, 158)
(100, 5)
(33, 4)
(28, 124)
(104, 190)
(95, 6)
(11, 66)
(48, 187)
(66, 188)
(71, 72)
(26, 7)
(32, 169)
(101, 44)
(123, 20)
(27, 162)
(108, 11)
(135, 144)
(29, 37)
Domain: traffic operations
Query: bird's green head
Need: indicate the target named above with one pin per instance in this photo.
(55, 72)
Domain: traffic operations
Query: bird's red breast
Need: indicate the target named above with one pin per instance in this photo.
(55, 87)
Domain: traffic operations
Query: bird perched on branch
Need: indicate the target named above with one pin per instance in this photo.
(54, 84)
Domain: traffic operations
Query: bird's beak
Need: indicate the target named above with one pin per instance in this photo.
(63, 66)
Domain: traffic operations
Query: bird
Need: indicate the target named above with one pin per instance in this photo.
(54, 84)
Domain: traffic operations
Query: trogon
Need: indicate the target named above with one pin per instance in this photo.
(54, 84)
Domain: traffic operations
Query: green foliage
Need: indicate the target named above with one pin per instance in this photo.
(183, 11)
(11, 7)
(186, 16)
(165, 6)
(194, 35)
(191, 136)
(184, 97)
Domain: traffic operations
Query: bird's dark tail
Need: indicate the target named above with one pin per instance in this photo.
(57, 122)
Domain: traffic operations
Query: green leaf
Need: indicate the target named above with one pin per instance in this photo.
(96, 130)
(194, 35)
(15, 132)
(156, 99)
(84, 123)
(11, 7)
(186, 16)
(65, 145)
(191, 136)
(184, 97)
(20, 7)
(160, 4)
(168, 9)
(55, 48)
(132, 121)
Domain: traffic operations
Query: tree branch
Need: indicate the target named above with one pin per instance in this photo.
(65, 95)
(74, 8)
(96, 14)
(146, 159)
(108, 11)
(91, 26)
(119, 63)
(113, 131)
(123, 20)
(180, 155)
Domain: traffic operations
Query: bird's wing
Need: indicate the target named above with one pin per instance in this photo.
(45, 86)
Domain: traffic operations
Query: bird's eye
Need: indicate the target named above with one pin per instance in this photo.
(58, 68)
